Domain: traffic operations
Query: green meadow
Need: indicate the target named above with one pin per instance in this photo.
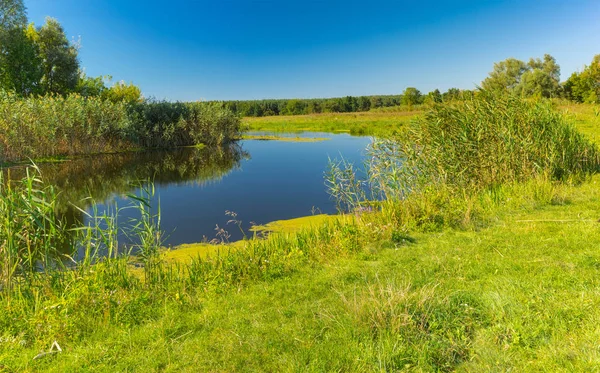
(360, 123)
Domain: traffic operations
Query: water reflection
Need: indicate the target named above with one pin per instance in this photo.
(194, 187)
(103, 176)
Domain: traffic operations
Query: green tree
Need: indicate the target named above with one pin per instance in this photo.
(364, 103)
(313, 107)
(376, 102)
(20, 64)
(539, 84)
(537, 77)
(585, 86)
(542, 79)
(451, 94)
(122, 92)
(12, 14)
(434, 96)
(91, 87)
(411, 96)
(506, 75)
(60, 65)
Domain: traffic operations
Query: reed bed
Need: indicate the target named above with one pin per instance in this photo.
(52, 126)
(490, 140)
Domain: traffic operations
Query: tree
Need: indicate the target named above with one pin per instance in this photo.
(364, 103)
(91, 87)
(20, 64)
(539, 84)
(313, 107)
(451, 94)
(585, 86)
(505, 76)
(12, 23)
(12, 14)
(535, 78)
(122, 92)
(434, 96)
(60, 65)
(411, 96)
(376, 102)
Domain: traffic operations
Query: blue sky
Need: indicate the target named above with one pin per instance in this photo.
(226, 49)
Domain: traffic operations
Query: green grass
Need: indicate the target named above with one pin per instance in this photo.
(520, 295)
(365, 123)
(484, 277)
(586, 117)
(283, 138)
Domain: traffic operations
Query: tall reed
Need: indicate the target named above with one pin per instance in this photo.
(30, 231)
(51, 126)
(432, 174)
(490, 140)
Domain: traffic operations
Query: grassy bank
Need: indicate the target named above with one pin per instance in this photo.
(586, 117)
(492, 268)
(55, 126)
(364, 123)
(518, 293)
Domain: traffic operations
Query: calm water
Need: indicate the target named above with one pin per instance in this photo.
(261, 181)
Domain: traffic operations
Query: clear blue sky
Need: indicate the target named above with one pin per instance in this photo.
(226, 49)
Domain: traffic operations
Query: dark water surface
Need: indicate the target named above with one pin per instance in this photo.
(261, 181)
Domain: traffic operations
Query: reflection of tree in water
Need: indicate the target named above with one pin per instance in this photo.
(102, 176)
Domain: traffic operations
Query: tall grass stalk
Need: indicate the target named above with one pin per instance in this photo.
(51, 126)
(30, 231)
(433, 174)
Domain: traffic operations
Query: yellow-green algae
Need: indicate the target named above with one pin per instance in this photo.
(186, 252)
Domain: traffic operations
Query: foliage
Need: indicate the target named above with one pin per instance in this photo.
(12, 14)
(122, 92)
(21, 64)
(535, 78)
(585, 86)
(60, 65)
(164, 124)
(60, 126)
(259, 108)
(35, 61)
(31, 233)
(89, 86)
(490, 140)
(411, 96)
(457, 150)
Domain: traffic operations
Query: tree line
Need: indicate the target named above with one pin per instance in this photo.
(349, 104)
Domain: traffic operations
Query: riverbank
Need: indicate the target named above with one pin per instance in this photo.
(518, 293)
(453, 278)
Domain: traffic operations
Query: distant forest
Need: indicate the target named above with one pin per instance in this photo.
(348, 104)
(536, 78)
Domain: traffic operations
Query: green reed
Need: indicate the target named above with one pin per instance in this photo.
(433, 174)
(30, 230)
(491, 140)
(53, 126)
